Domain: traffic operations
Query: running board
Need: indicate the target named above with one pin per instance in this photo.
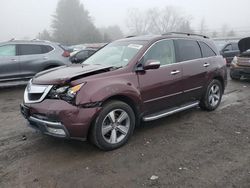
(169, 112)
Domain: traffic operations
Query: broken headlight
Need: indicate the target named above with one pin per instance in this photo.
(65, 93)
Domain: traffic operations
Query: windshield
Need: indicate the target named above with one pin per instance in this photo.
(117, 54)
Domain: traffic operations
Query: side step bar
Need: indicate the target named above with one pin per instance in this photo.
(170, 112)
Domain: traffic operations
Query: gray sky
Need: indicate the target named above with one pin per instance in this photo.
(25, 18)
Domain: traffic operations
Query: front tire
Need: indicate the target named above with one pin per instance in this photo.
(113, 126)
(212, 97)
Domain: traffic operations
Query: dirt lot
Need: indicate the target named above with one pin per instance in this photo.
(190, 149)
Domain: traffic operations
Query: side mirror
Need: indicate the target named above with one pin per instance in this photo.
(151, 64)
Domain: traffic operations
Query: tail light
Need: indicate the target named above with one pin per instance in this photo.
(66, 54)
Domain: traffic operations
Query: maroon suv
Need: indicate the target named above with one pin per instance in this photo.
(128, 81)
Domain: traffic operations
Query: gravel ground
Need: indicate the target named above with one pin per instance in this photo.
(190, 149)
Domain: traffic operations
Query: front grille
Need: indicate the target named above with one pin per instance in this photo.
(36, 93)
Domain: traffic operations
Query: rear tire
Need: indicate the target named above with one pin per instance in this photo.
(212, 97)
(113, 126)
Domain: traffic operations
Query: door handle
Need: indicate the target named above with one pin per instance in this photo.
(206, 65)
(174, 72)
(14, 60)
(45, 58)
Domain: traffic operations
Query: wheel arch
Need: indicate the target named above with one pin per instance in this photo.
(220, 79)
(127, 100)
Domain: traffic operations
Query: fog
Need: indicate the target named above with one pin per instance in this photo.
(26, 18)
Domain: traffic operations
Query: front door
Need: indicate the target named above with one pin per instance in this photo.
(9, 63)
(161, 88)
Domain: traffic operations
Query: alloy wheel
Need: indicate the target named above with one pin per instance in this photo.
(115, 126)
(214, 95)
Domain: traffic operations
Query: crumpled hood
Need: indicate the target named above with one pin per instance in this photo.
(65, 74)
(244, 44)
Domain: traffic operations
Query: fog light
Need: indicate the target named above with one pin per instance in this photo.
(60, 132)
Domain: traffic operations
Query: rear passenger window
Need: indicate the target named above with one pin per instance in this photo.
(162, 51)
(187, 50)
(206, 50)
(30, 49)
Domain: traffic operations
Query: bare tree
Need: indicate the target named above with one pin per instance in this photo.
(138, 22)
(157, 21)
(111, 33)
(203, 27)
(224, 30)
(231, 33)
(44, 35)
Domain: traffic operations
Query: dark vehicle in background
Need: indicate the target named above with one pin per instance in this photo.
(21, 60)
(229, 51)
(240, 66)
(128, 81)
(82, 55)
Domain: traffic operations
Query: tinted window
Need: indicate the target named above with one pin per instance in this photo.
(188, 50)
(162, 51)
(30, 49)
(235, 46)
(8, 50)
(229, 47)
(82, 55)
(46, 49)
(206, 50)
(91, 52)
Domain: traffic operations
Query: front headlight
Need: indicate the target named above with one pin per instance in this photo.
(73, 90)
(65, 93)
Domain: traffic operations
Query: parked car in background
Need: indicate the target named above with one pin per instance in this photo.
(229, 51)
(240, 66)
(128, 81)
(82, 55)
(21, 60)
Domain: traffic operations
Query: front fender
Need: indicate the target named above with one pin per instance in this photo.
(101, 90)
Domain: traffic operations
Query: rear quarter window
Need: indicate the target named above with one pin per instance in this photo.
(187, 50)
(206, 50)
(46, 49)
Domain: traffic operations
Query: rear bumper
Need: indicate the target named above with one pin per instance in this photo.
(240, 71)
(59, 119)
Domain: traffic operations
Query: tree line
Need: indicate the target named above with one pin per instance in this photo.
(72, 24)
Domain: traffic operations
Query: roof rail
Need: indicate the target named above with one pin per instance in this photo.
(188, 34)
(130, 36)
(27, 40)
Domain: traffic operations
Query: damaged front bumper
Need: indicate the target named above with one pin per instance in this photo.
(59, 119)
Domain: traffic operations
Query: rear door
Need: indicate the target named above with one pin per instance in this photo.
(9, 63)
(32, 57)
(194, 68)
(229, 51)
(161, 88)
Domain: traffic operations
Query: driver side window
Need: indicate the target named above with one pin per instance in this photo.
(163, 51)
